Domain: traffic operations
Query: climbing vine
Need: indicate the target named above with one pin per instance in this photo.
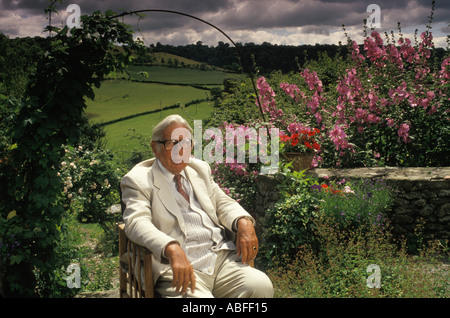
(49, 116)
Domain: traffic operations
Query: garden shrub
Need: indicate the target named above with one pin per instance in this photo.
(91, 181)
(238, 181)
(91, 177)
(290, 223)
(357, 203)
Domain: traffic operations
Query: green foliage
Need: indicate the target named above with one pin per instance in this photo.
(49, 116)
(236, 104)
(91, 181)
(288, 57)
(350, 205)
(340, 270)
(290, 223)
(18, 59)
(356, 204)
(242, 188)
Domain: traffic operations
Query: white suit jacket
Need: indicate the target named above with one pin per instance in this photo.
(152, 217)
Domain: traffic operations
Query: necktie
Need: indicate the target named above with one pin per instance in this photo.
(179, 187)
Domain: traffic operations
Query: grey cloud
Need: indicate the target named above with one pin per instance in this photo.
(314, 16)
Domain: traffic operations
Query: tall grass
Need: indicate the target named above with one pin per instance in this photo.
(340, 268)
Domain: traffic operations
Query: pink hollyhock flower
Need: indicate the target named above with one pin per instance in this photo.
(445, 69)
(361, 114)
(313, 81)
(318, 117)
(372, 118)
(339, 138)
(390, 122)
(403, 132)
(292, 90)
(431, 95)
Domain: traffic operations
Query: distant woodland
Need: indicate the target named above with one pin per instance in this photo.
(265, 57)
(18, 57)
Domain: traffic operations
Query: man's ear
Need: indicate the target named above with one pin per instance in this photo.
(155, 148)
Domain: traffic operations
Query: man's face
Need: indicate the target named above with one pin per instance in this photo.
(174, 160)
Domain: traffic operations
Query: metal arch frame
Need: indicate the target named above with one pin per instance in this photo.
(211, 25)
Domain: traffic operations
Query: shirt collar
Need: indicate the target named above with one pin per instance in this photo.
(166, 173)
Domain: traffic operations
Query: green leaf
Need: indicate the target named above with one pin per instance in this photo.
(15, 259)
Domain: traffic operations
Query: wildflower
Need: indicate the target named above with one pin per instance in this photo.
(347, 189)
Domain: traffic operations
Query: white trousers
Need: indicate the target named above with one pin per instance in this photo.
(231, 279)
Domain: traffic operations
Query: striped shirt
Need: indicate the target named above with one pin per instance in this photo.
(204, 238)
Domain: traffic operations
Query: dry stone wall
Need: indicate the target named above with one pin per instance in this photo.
(422, 196)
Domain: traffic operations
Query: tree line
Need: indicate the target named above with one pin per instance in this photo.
(264, 57)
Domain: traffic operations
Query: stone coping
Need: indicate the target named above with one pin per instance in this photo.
(391, 173)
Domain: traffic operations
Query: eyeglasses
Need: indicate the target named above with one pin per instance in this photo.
(170, 143)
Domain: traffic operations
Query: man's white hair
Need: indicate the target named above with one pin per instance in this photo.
(158, 130)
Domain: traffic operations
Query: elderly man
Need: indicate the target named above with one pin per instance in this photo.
(201, 239)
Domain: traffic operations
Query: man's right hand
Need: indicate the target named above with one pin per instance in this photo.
(183, 272)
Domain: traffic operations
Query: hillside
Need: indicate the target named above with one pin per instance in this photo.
(129, 109)
(172, 60)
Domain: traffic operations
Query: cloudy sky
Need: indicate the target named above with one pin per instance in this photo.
(291, 22)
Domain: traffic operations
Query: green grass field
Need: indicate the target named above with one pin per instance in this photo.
(116, 99)
(119, 98)
(119, 135)
(178, 75)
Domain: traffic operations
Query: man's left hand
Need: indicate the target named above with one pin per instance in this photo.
(246, 240)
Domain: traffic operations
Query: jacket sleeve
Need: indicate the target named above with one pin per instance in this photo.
(228, 210)
(137, 217)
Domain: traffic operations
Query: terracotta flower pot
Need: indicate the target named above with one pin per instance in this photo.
(300, 161)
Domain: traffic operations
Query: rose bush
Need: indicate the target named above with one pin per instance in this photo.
(90, 181)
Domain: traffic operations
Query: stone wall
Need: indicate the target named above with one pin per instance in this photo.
(421, 194)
